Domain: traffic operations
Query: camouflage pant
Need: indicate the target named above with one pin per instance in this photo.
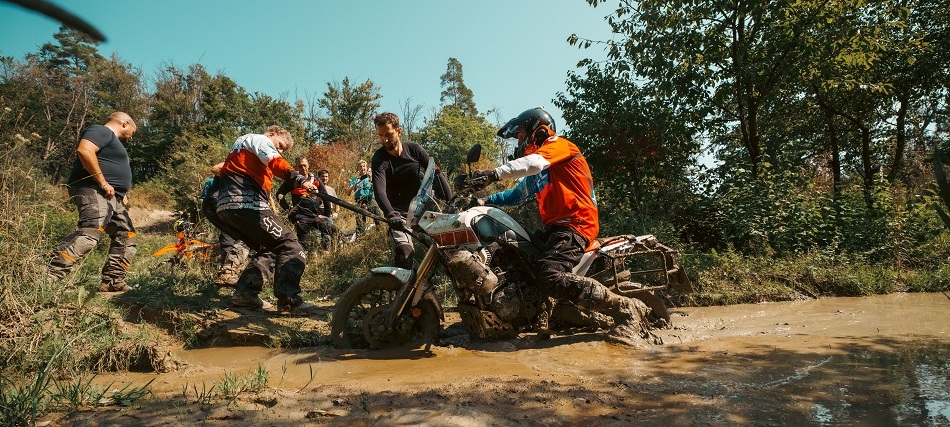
(96, 215)
(370, 205)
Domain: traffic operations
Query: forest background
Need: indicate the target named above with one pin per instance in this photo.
(787, 150)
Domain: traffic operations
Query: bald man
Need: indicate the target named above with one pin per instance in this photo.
(100, 178)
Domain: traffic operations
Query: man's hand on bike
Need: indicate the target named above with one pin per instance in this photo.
(396, 221)
(485, 177)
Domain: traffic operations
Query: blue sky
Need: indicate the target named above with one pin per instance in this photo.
(514, 53)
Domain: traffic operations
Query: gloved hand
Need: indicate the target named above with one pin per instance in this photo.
(487, 176)
(396, 221)
(283, 203)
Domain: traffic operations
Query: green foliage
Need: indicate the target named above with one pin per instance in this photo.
(21, 403)
(345, 114)
(637, 149)
(730, 278)
(332, 272)
(943, 187)
(449, 135)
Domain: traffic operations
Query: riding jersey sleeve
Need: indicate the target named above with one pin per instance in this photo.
(527, 187)
(553, 151)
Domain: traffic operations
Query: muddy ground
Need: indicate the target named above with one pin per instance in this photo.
(882, 360)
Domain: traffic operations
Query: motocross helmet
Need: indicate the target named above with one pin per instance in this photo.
(538, 126)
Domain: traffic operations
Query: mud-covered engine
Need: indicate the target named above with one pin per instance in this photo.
(496, 299)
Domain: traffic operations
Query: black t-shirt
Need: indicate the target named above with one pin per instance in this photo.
(396, 180)
(113, 161)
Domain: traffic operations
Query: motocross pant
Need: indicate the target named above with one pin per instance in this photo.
(264, 232)
(563, 249)
(370, 205)
(234, 252)
(97, 214)
(401, 244)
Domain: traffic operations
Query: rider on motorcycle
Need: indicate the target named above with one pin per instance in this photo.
(556, 170)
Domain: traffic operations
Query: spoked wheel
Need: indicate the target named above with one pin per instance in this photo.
(359, 317)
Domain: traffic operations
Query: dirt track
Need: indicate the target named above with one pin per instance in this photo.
(840, 361)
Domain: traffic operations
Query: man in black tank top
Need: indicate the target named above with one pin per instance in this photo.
(100, 178)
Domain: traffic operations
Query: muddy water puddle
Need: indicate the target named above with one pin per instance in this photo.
(882, 360)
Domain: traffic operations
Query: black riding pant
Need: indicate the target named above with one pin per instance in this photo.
(563, 249)
(265, 232)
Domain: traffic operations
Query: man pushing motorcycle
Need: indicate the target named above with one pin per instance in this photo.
(569, 213)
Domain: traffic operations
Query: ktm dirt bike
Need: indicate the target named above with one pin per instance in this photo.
(488, 257)
(188, 246)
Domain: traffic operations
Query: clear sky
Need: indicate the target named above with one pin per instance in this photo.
(514, 53)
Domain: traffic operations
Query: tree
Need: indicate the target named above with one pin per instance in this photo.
(454, 92)
(448, 136)
(639, 152)
(345, 114)
(64, 87)
(724, 60)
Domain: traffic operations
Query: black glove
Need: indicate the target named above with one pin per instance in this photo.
(396, 221)
(487, 176)
(283, 203)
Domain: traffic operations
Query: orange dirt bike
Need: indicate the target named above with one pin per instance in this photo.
(489, 258)
(188, 247)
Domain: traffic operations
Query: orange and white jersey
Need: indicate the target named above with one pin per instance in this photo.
(248, 173)
(568, 196)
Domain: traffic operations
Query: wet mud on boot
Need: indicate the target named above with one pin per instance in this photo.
(631, 326)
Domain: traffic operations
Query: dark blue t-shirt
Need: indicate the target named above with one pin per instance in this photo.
(113, 160)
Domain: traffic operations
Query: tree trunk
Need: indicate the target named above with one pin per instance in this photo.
(867, 167)
(900, 140)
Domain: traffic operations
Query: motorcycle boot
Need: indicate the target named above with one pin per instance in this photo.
(233, 264)
(629, 314)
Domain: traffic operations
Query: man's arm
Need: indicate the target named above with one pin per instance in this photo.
(87, 151)
(379, 189)
(527, 187)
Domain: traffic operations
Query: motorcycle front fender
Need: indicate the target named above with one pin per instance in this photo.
(401, 274)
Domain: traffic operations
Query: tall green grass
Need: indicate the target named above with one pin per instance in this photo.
(730, 278)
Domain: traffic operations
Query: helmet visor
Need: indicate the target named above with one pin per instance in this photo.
(509, 130)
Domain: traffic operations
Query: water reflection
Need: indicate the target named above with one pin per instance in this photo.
(910, 386)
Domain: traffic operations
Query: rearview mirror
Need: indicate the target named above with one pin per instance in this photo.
(474, 154)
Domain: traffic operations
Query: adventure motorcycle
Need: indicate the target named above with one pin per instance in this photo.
(488, 256)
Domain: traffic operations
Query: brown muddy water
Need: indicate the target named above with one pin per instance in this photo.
(871, 361)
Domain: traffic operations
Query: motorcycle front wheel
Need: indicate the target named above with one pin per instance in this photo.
(359, 316)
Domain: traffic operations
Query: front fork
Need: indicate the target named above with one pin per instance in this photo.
(414, 287)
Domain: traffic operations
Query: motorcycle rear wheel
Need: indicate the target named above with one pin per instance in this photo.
(359, 311)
